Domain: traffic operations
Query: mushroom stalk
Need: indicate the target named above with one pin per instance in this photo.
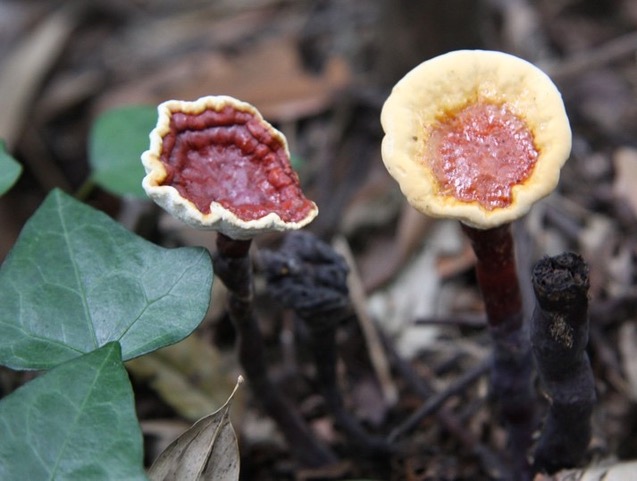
(512, 367)
(559, 334)
(232, 265)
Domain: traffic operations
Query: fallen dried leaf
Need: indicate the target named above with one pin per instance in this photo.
(249, 76)
(415, 293)
(24, 70)
(207, 451)
(387, 261)
(188, 375)
(616, 472)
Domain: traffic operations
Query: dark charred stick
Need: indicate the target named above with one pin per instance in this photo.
(306, 275)
(467, 320)
(446, 417)
(232, 265)
(405, 370)
(435, 402)
(512, 369)
(559, 334)
(612, 311)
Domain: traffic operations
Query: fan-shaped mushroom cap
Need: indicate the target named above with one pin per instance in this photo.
(475, 135)
(215, 163)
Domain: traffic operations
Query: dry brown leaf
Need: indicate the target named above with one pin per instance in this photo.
(416, 292)
(188, 375)
(451, 265)
(626, 471)
(208, 451)
(269, 76)
(386, 261)
(23, 71)
(625, 162)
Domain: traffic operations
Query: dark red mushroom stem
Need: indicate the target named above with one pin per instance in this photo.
(512, 369)
(497, 275)
(233, 266)
(559, 334)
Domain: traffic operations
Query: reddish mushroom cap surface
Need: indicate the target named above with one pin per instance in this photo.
(215, 163)
(475, 135)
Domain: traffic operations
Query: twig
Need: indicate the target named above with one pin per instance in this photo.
(595, 58)
(436, 401)
(25, 69)
(466, 320)
(447, 418)
(377, 354)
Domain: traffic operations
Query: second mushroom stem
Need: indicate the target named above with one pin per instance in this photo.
(233, 266)
(308, 276)
(324, 350)
(512, 369)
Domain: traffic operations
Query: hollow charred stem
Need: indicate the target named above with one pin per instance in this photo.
(309, 277)
(233, 266)
(559, 335)
(512, 368)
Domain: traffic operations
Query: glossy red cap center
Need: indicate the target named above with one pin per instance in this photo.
(479, 153)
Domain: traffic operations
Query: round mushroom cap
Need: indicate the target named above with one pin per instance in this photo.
(475, 135)
(216, 164)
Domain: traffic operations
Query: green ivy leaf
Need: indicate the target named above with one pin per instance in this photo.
(76, 280)
(76, 422)
(10, 169)
(116, 142)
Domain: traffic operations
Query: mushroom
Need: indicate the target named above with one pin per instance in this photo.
(216, 164)
(479, 136)
(475, 135)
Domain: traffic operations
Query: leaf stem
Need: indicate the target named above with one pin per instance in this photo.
(85, 189)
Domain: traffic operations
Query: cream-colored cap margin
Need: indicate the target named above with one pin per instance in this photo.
(219, 218)
(450, 82)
